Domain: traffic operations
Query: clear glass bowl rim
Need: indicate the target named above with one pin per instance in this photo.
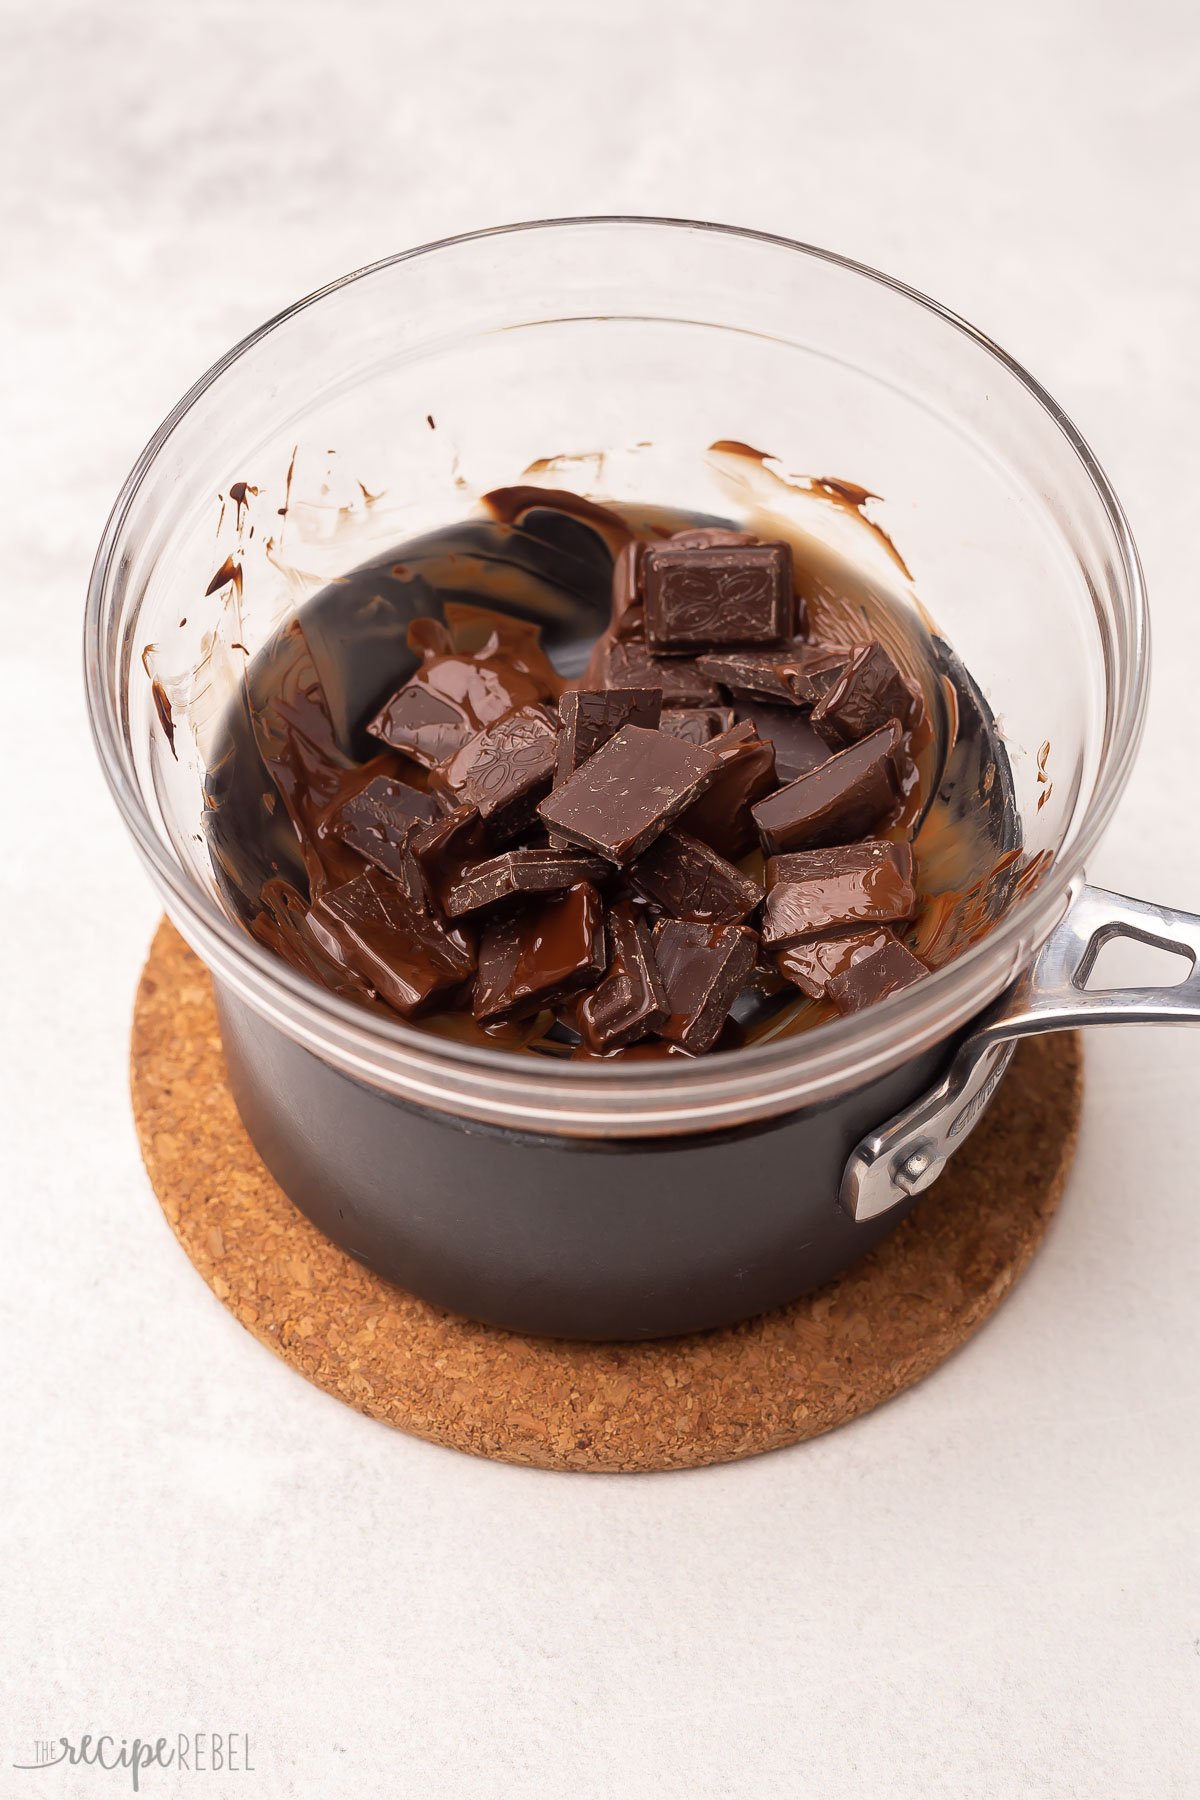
(755, 1081)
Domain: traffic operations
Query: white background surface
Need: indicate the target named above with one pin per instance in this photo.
(991, 1586)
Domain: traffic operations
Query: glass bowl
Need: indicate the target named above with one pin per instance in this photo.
(611, 355)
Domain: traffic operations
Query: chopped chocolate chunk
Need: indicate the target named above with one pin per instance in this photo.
(504, 771)
(371, 928)
(588, 717)
(437, 855)
(703, 970)
(630, 1002)
(535, 871)
(798, 748)
(722, 816)
(690, 880)
(871, 860)
(852, 794)
(530, 958)
(633, 788)
(696, 724)
(869, 690)
(794, 674)
(379, 819)
(632, 665)
(810, 966)
(874, 977)
(813, 891)
(697, 595)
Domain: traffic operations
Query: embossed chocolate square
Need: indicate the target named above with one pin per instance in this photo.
(503, 771)
(718, 594)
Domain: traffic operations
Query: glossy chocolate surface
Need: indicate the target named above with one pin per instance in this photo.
(372, 928)
(379, 819)
(703, 970)
(540, 955)
(857, 791)
(814, 891)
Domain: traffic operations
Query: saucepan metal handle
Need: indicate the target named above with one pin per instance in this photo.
(910, 1151)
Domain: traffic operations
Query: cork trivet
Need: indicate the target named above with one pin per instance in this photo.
(674, 1404)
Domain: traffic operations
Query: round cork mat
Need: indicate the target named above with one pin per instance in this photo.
(673, 1404)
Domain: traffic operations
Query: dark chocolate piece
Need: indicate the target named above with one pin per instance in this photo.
(697, 595)
(794, 674)
(814, 891)
(690, 880)
(850, 795)
(630, 1002)
(722, 816)
(504, 771)
(546, 951)
(588, 717)
(703, 970)
(696, 724)
(812, 965)
(632, 665)
(798, 748)
(874, 977)
(373, 929)
(868, 691)
(817, 673)
(633, 788)
(437, 855)
(534, 871)
(379, 819)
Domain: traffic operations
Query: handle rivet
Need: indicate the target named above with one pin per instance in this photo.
(917, 1170)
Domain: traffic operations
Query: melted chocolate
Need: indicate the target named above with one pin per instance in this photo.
(535, 957)
(299, 735)
(816, 891)
(631, 1001)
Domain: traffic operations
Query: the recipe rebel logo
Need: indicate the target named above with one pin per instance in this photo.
(189, 1753)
